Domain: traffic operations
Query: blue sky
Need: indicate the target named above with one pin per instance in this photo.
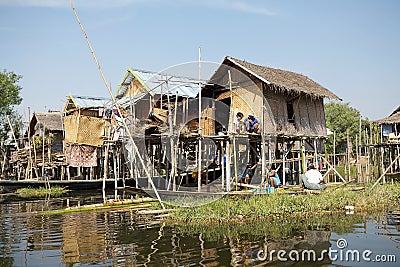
(350, 47)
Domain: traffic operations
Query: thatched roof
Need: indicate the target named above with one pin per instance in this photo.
(51, 121)
(285, 80)
(393, 118)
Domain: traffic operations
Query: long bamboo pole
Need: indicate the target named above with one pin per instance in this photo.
(12, 131)
(228, 167)
(222, 159)
(3, 162)
(43, 155)
(334, 152)
(136, 151)
(199, 158)
(233, 131)
(384, 173)
(263, 160)
(29, 144)
(333, 168)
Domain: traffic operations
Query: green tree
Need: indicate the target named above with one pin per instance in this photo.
(343, 119)
(9, 98)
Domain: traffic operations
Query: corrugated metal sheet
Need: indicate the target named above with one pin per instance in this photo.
(91, 102)
(160, 83)
(126, 101)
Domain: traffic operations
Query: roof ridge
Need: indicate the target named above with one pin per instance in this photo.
(289, 80)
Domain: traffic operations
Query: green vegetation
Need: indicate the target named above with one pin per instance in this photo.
(278, 228)
(9, 92)
(55, 191)
(141, 203)
(237, 209)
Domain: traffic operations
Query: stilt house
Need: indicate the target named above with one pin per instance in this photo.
(390, 127)
(289, 106)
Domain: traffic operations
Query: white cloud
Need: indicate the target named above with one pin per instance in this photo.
(236, 5)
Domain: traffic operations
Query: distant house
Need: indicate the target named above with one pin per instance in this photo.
(48, 124)
(390, 126)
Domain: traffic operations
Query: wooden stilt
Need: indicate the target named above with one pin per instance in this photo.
(384, 173)
(303, 156)
(222, 164)
(228, 166)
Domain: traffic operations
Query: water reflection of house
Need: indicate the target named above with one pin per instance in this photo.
(83, 237)
(310, 247)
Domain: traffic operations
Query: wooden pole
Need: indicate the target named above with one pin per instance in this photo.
(171, 140)
(116, 176)
(315, 152)
(3, 162)
(13, 134)
(333, 168)
(283, 162)
(334, 153)
(358, 164)
(348, 154)
(269, 150)
(263, 160)
(105, 174)
(222, 158)
(232, 131)
(384, 173)
(303, 156)
(368, 154)
(29, 143)
(135, 149)
(35, 156)
(43, 154)
(199, 168)
(49, 159)
(228, 166)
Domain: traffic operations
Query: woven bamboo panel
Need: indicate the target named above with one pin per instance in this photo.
(84, 130)
(91, 131)
(208, 122)
(71, 128)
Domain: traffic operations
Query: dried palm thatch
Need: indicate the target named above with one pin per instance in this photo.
(283, 80)
(48, 121)
(393, 118)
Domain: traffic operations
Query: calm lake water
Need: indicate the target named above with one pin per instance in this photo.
(119, 238)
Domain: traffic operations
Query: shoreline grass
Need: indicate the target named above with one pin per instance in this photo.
(236, 209)
(283, 228)
(28, 192)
